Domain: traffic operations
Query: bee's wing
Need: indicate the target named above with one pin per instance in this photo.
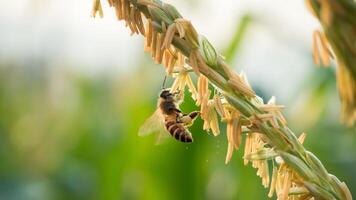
(153, 124)
(162, 136)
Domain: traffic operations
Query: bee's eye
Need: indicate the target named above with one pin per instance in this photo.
(165, 94)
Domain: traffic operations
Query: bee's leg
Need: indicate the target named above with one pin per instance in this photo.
(188, 119)
(178, 96)
(194, 114)
(181, 118)
(176, 92)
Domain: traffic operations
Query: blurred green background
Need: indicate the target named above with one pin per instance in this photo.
(66, 133)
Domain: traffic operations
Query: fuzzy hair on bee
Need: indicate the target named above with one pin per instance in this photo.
(170, 118)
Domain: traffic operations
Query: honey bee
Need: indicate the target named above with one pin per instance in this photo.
(169, 118)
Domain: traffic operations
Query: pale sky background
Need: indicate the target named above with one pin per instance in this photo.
(62, 34)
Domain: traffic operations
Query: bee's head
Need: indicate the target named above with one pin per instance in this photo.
(165, 94)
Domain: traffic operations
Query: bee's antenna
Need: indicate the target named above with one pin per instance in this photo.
(164, 81)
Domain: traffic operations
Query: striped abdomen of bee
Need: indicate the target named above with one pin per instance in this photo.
(178, 130)
(175, 121)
